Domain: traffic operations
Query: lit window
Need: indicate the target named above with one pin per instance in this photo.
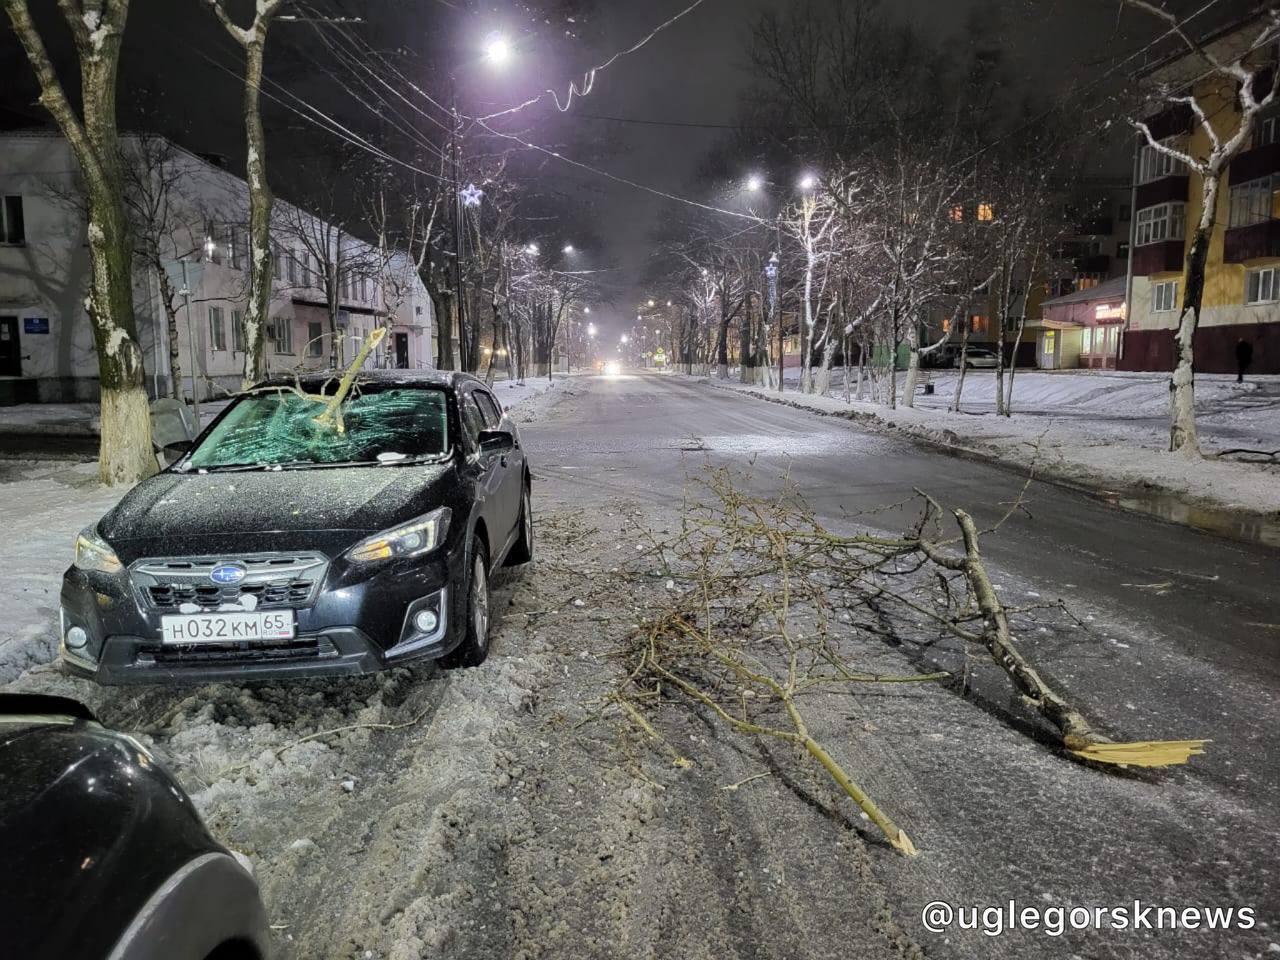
(986, 212)
(1256, 201)
(1165, 221)
(1260, 286)
(978, 324)
(957, 213)
(1154, 164)
(1164, 296)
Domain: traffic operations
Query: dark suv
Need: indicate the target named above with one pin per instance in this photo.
(308, 530)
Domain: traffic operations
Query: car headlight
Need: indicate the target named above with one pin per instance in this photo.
(411, 539)
(94, 553)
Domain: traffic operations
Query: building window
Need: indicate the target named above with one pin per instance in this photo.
(211, 245)
(1255, 201)
(1165, 221)
(1164, 296)
(986, 212)
(237, 331)
(1122, 250)
(977, 324)
(1153, 164)
(235, 253)
(957, 213)
(1267, 131)
(293, 268)
(1260, 286)
(1125, 213)
(280, 333)
(217, 331)
(315, 340)
(12, 228)
(276, 262)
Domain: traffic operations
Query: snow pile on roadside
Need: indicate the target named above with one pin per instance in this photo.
(1093, 453)
(48, 504)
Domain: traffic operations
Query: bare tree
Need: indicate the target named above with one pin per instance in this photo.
(254, 41)
(97, 26)
(1225, 73)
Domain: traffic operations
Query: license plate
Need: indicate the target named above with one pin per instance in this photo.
(227, 627)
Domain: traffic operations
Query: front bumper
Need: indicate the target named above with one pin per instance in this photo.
(357, 622)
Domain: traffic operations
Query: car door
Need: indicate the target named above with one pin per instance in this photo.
(489, 471)
(512, 463)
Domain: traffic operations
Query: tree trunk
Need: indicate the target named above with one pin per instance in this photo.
(1013, 365)
(125, 453)
(258, 310)
(167, 295)
(964, 366)
(1183, 437)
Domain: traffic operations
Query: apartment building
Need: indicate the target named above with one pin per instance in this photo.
(331, 289)
(1242, 282)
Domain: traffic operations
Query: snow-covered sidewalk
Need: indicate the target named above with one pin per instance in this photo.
(1106, 432)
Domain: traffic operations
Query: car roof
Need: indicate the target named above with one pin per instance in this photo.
(314, 381)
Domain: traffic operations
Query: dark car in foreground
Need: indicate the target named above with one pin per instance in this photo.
(308, 530)
(102, 855)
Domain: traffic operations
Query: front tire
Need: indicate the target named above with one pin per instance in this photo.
(522, 549)
(474, 648)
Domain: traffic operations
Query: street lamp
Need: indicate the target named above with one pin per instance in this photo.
(586, 310)
(591, 329)
(755, 182)
(568, 248)
(531, 249)
(497, 50)
(808, 181)
(625, 338)
(651, 303)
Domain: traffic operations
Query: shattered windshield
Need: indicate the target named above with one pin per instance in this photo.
(282, 428)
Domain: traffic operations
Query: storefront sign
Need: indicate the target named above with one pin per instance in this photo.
(35, 324)
(1109, 311)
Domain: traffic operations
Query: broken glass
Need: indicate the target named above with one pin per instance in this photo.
(280, 428)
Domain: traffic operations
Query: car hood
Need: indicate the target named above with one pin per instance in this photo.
(179, 508)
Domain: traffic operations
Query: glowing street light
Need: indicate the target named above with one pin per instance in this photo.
(625, 338)
(668, 303)
(568, 248)
(531, 249)
(586, 310)
(591, 329)
(651, 303)
(755, 183)
(808, 181)
(497, 50)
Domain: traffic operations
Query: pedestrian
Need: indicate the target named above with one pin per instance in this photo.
(1244, 356)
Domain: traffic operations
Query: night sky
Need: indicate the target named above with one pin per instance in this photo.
(692, 73)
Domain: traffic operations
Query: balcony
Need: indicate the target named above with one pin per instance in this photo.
(1257, 241)
(1163, 190)
(1163, 257)
(1255, 164)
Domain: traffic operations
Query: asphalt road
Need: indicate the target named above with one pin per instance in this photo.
(643, 434)
(1179, 638)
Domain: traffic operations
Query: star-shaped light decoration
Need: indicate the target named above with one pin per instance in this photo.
(472, 195)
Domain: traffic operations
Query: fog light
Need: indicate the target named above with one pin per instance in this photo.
(76, 638)
(426, 621)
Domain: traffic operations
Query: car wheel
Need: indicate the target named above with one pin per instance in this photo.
(475, 642)
(522, 550)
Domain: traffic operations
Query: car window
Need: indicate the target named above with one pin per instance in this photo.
(489, 407)
(472, 418)
(281, 427)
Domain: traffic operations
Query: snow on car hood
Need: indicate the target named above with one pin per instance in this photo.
(177, 506)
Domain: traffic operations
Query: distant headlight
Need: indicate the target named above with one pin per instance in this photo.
(94, 553)
(411, 539)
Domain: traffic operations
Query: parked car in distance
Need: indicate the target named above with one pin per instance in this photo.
(300, 535)
(977, 357)
(102, 854)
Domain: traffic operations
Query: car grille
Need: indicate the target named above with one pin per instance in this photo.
(275, 580)
(255, 651)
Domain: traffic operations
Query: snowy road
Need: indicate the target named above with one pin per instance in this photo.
(505, 812)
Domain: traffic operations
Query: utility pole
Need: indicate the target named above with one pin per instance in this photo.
(191, 345)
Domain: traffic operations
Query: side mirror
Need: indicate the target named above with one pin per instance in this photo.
(173, 452)
(496, 441)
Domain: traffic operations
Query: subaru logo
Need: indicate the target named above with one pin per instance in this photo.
(227, 574)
